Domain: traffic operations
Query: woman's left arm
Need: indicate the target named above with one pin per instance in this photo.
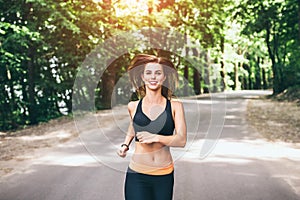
(176, 140)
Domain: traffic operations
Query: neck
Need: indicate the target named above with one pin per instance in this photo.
(154, 96)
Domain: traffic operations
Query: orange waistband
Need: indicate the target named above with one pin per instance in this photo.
(144, 169)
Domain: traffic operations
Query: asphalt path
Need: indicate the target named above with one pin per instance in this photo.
(224, 159)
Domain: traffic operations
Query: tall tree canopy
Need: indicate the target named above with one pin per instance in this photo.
(249, 44)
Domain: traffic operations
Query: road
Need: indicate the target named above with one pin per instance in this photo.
(224, 159)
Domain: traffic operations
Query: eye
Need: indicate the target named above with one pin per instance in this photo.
(148, 73)
(158, 73)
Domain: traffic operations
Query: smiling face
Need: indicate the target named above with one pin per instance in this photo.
(153, 76)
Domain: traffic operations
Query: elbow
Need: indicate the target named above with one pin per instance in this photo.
(182, 143)
(181, 139)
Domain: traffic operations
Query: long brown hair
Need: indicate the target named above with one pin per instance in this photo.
(136, 69)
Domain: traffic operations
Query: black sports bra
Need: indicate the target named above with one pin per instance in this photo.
(162, 125)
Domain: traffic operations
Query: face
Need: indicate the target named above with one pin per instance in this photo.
(153, 76)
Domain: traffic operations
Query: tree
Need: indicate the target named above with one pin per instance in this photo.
(42, 45)
(275, 20)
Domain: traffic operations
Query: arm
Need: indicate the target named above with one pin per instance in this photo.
(176, 140)
(130, 133)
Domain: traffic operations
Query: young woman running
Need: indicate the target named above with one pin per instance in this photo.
(157, 123)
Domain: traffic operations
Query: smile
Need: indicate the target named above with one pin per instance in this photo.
(153, 82)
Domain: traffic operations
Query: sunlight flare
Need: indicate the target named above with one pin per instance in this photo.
(131, 7)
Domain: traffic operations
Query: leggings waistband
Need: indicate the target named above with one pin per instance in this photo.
(144, 169)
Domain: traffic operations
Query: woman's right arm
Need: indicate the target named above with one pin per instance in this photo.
(130, 132)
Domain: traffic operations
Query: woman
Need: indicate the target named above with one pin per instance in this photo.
(153, 121)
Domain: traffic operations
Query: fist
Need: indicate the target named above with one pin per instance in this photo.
(122, 151)
(146, 137)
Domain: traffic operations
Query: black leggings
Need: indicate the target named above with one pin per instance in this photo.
(148, 187)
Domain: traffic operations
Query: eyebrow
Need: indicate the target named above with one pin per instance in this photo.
(148, 70)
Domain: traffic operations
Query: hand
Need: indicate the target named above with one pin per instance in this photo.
(146, 137)
(122, 151)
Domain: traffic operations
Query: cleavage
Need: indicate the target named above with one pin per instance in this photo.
(155, 112)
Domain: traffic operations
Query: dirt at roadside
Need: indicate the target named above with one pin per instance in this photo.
(275, 120)
(13, 145)
(21, 145)
(18, 147)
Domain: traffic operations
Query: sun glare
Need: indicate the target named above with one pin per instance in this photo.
(131, 7)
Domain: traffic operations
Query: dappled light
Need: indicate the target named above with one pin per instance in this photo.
(246, 150)
(69, 160)
(56, 134)
(65, 89)
(228, 48)
(256, 149)
(132, 8)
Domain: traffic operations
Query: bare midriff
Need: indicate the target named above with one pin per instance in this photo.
(153, 159)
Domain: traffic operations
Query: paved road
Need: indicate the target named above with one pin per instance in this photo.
(225, 159)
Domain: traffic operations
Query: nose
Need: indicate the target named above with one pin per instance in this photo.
(153, 76)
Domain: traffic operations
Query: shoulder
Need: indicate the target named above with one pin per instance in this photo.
(132, 105)
(176, 105)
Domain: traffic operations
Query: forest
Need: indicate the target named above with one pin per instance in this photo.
(46, 44)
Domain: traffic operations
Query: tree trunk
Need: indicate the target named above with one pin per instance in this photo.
(236, 76)
(108, 82)
(206, 72)
(30, 89)
(264, 78)
(196, 75)
(186, 79)
(12, 101)
(299, 18)
(31, 86)
(223, 71)
(244, 84)
(276, 80)
(196, 82)
(186, 68)
(257, 84)
(6, 113)
(249, 79)
(25, 98)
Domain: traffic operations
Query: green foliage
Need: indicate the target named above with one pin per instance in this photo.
(40, 45)
(277, 22)
(43, 42)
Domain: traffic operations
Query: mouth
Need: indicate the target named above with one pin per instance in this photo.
(153, 82)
